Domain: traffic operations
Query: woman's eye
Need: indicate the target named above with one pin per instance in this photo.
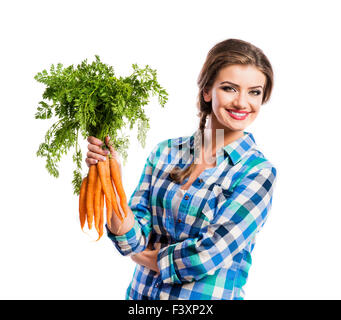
(227, 88)
(256, 92)
(253, 92)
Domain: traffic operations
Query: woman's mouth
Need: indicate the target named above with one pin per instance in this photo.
(237, 115)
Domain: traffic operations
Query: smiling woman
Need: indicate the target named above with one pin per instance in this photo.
(234, 108)
(201, 199)
(245, 68)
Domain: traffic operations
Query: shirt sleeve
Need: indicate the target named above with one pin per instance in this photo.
(233, 226)
(136, 239)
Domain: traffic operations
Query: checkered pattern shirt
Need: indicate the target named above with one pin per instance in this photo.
(206, 244)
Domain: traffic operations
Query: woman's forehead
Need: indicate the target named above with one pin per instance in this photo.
(242, 75)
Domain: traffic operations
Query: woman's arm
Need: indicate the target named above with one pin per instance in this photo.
(133, 235)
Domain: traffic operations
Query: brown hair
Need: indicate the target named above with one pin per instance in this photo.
(223, 54)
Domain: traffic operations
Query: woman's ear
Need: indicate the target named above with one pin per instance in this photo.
(207, 95)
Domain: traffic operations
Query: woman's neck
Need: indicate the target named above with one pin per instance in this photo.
(217, 136)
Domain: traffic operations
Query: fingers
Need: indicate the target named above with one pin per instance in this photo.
(111, 148)
(95, 149)
(134, 258)
(95, 156)
(107, 140)
(96, 152)
(90, 161)
(94, 140)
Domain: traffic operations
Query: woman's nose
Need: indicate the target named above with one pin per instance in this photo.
(240, 101)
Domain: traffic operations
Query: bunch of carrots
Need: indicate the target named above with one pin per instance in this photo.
(97, 188)
(91, 100)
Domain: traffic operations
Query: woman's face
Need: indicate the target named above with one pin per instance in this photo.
(236, 97)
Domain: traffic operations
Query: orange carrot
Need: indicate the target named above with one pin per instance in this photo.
(97, 202)
(115, 204)
(82, 202)
(116, 176)
(109, 211)
(103, 174)
(101, 220)
(112, 191)
(92, 177)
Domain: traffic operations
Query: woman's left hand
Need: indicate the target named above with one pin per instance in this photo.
(148, 258)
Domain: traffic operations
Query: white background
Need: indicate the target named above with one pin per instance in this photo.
(43, 252)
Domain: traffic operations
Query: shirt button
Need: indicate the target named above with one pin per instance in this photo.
(186, 197)
(179, 220)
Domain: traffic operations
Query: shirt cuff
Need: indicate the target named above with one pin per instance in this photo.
(166, 265)
(127, 242)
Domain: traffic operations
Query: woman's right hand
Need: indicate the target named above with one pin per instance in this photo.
(95, 153)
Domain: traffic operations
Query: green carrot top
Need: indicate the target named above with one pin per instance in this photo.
(90, 100)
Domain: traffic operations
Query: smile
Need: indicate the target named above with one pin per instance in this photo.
(238, 115)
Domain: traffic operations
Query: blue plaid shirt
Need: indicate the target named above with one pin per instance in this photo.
(206, 244)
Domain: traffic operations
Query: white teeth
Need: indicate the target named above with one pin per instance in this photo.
(238, 114)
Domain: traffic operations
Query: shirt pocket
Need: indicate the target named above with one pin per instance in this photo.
(201, 213)
(217, 197)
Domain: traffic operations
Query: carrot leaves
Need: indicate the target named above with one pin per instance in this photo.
(90, 100)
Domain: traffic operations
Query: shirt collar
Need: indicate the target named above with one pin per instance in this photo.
(235, 150)
(238, 148)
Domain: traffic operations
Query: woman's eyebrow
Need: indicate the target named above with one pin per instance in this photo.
(238, 85)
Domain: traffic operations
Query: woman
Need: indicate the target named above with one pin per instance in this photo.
(201, 199)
